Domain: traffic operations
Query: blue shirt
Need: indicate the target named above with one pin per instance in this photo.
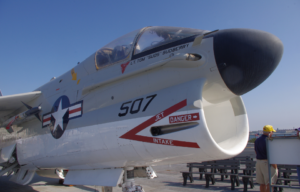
(261, 147)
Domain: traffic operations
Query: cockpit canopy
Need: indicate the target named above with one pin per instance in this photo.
(116, 50)
(139, 41)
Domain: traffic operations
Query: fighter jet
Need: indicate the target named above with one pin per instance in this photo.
(157, 95)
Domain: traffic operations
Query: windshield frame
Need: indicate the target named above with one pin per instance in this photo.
(163, 46)
(128, 57)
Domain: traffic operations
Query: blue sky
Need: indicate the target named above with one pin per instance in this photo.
(43, 39)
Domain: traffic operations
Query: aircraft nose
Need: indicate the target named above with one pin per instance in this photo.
(246, 57)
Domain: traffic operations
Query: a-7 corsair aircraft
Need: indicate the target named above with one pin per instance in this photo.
(157, 95)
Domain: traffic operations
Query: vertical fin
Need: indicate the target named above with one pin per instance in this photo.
(0, 93)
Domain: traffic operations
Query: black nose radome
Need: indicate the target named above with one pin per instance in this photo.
(246, 57)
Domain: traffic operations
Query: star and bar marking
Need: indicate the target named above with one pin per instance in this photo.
(75, 111)
(62, 111)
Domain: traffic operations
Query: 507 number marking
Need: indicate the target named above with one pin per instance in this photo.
(135, 106)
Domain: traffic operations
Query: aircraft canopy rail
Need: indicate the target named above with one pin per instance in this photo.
(144, 39)
(153, 37)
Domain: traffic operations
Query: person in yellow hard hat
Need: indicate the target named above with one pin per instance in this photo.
(262, 171)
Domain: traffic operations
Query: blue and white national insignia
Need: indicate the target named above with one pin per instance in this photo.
(62, 111)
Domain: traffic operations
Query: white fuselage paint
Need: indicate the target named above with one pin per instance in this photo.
(99, 145)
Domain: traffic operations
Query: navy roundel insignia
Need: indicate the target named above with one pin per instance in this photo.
(62, 111)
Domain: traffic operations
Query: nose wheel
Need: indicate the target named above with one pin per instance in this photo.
(61, 181)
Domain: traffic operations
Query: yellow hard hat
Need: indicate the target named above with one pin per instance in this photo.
(268, 128)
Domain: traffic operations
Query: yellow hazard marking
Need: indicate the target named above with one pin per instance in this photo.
(78, 81)
(74, 75)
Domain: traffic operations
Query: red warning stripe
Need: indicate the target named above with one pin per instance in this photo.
(132, 133)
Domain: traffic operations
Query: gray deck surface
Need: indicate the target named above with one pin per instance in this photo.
(169, 180)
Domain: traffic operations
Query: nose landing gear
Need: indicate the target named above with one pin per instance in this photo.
(129, 185)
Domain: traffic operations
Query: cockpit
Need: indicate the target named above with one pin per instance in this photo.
(139, 41)
(115, 51)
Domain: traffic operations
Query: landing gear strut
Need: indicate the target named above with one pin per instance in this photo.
(129, 185)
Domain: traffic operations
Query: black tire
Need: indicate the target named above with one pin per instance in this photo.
(61, 181)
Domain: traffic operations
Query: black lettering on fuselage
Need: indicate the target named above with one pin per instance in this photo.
(141, 59)
(175, 49)
(153, 55)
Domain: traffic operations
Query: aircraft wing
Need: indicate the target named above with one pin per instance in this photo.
(10, 103)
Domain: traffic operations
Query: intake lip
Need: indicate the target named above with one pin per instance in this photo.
(246, 57)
